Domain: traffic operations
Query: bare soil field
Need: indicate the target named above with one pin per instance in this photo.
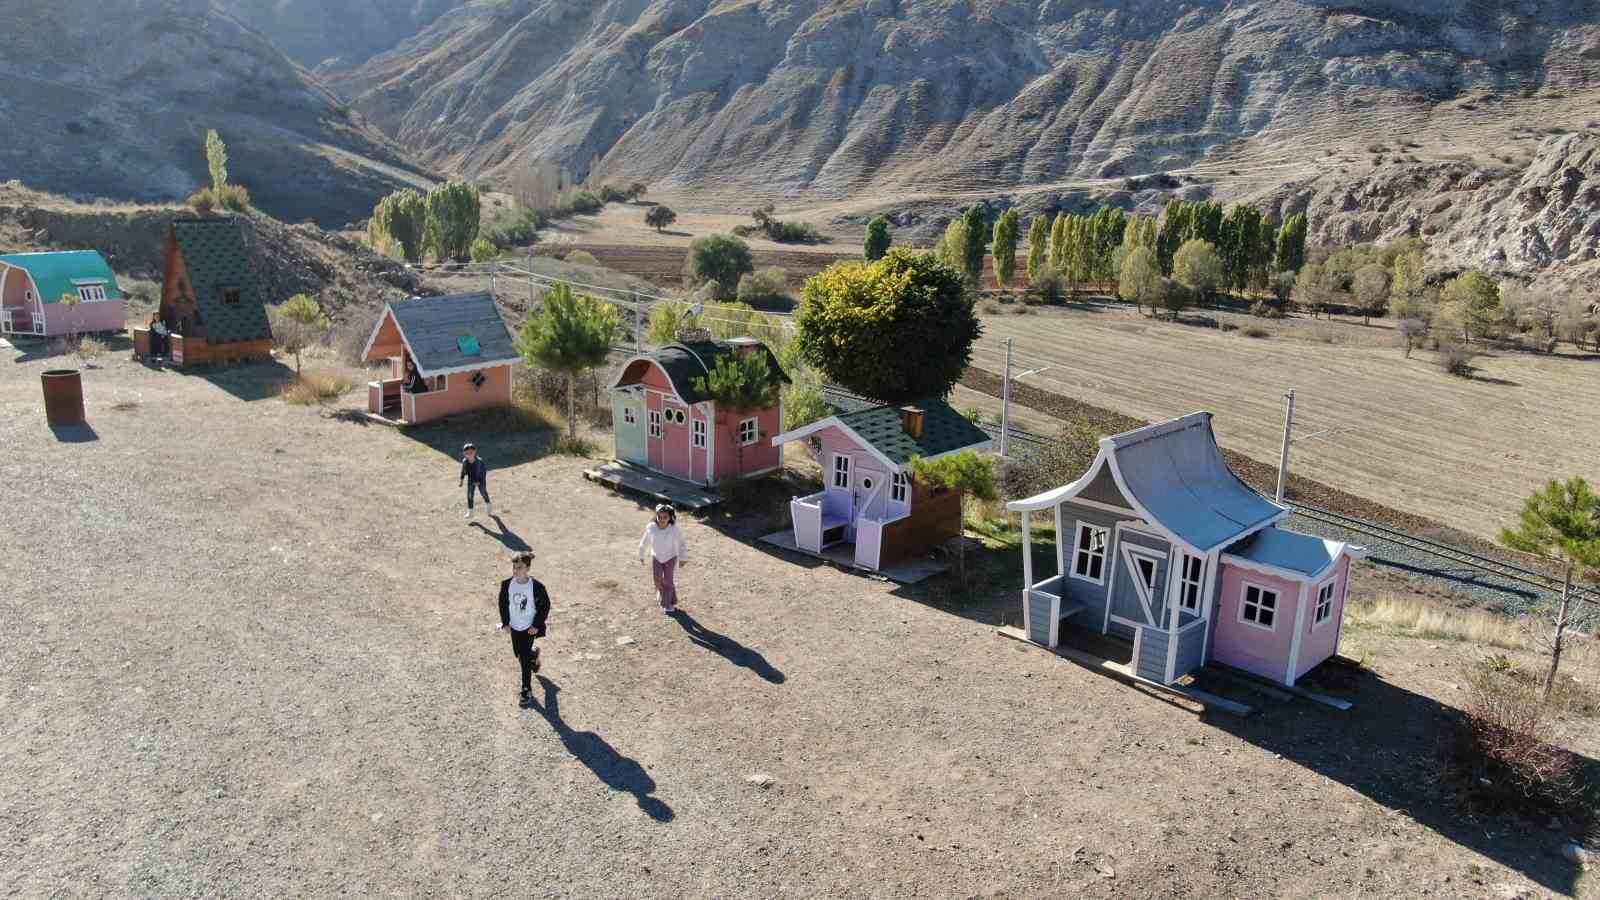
(1464, 452)
(250, 649)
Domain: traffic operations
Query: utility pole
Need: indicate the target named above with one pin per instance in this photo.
(638, 325)
(1288, 429)
(530, 280)
(494, 266)
(1005, 402)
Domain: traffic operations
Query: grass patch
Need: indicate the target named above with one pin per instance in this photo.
(1255, 331)
(91, 348)
(1415, 618)
(575, 446)
(318, 386)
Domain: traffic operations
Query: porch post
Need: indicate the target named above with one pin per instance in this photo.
(1208, 602)
(1061, 548)
(1027, 575)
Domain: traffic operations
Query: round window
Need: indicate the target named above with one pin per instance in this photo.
(866, 483)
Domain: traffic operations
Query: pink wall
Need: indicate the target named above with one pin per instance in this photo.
(674, 454)
(670, 452)
(757, 456)
(460, 396)
(82, 318)
(1245, 646)
(1318, 642)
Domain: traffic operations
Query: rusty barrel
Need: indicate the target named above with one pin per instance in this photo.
(63, 397)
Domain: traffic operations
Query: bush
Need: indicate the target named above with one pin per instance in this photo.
(582, 258)
(203, 202)
(232, 197)
(91, 348)
(1255, 331)
(318, 385)
(585, 203)
(484, 250)
(1048, 285)
(803, 403)
(720, 259)
(575, 446)
(766, 287)
(1266, 310)
(1456, 359)
(1505, 758)
(610, 193)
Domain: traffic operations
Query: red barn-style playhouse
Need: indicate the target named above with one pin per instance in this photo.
(665, 424)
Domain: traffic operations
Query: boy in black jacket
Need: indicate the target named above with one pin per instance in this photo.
(475, 472)
(524, 605)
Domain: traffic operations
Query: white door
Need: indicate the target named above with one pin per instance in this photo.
(867, 490)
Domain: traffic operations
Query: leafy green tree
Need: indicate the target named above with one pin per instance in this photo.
(969, 473)
(953, 244)
(659, 217)
(299, 322)
(1475, 301)
(1058, 241)
(1140, 278)
(897, 330)
(1038, 244)
(803, 402)
(1371, 287)
(217, 160)
(878, 239)
(739, 383)
(667, 318)
(570, 334)
(1561, 523)
(1206, 223)
(484, 250)
(1237, 247)
(972, 250)
(400, 220)
(453, 215)
(1197, 267)
(1261, 253)
(1005, 247)
(1175, 226)
(720, 260)
(1290, 253)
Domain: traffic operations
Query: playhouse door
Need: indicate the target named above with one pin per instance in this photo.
(675, 447)
(628, 417)
(866, 494)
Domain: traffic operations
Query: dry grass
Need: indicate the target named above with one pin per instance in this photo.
(1413, 617)
(318, 386)
(1507, 756)
(1463, 452)
(91, 348)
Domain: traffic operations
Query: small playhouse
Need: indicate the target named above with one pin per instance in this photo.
(211, 302)
(870, 508)
(461, 348)
(666, 424)
(1161, 544)
(60, 293)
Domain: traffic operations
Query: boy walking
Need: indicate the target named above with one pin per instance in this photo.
(476, 474)
(524, 605)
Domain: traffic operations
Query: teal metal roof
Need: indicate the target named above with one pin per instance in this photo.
(943, 430)
(215, 255)
(64, 271)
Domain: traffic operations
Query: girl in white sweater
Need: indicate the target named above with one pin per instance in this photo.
(664, 542)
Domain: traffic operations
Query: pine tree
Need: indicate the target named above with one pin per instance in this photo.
(878, 239)
(570, 334)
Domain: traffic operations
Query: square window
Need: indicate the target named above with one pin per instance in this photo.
(1324, 610)
(441, 382)
(1089, 553)
(899, 487)
(841, 471)
(699, 433)
(1259, 607)
(747, 432)
(230, 296)
(627, 416)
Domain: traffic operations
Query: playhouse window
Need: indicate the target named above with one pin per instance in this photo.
(1324, 605)
(1189, 584)
(747, 432)
(627, 416)
(1259, 607)
(92, 293)
(841, 471)
(230, 296)
(655, 423)
(899, 487)
(1089, 553)
(441, 382)
(699, 432)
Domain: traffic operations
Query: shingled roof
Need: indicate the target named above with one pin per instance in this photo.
(881, 430)
(687, 361)
(215, 257)
(441, 332)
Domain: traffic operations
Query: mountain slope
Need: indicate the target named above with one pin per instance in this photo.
(347, 32)
(112, 99)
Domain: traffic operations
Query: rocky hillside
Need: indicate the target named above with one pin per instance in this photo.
(1057, 102)
(112, 98)
(342, 33)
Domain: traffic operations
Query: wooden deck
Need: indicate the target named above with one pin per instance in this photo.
(681, 494)
(910, 571)
(1204, 699)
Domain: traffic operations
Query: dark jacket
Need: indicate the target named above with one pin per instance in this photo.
(541, 605)
(475, 470)
(416, 384)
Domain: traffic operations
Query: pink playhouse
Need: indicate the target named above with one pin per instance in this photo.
(461, 348)
(663, 422)
(1162, 545)
(60, 293)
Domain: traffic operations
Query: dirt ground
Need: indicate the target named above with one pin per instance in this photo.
(250, 650)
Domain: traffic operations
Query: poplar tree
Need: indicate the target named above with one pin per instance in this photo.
(1290, 253)
(976, 242)
(1058, 242)
(1005, 247)
(1038, 244)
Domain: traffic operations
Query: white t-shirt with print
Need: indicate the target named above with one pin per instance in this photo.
(522, 607)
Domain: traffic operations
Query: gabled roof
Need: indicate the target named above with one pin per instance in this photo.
(63, 272)
(433, 329)
(1174, 476)
(216, 259)
(1291, 554)
(881, 430)
(686, 361)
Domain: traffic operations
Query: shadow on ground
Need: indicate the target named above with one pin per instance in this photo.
(507, 538)
(247, 381)
(618, 772)
(504, 438)
(82, 433)
(727, 648)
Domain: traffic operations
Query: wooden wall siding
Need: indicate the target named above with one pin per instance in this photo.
(188, 352)
(461, 396)
(758, 456)
(1125, 600)
(1246, 646)
(1039, 617)
(388, 343)
(935, 518)
(1152, 661)
(177, 307)
(1190, 649)
(1319, 643)
(1103, 489)
(1091, 595)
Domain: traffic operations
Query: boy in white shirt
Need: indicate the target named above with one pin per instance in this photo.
(524, 605)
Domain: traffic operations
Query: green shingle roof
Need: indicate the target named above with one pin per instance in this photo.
(63, 272)
(686, 361)
(215, 255)
(943, 430)
(434, 328)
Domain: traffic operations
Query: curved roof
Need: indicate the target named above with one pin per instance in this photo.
(62, 272)
(687, 361)
(1290, 553)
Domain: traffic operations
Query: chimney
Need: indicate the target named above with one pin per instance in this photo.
(911, 419)
(744, 346)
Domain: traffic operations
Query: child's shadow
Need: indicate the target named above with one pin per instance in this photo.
(617, 771)
(510, 539)
(727, 648)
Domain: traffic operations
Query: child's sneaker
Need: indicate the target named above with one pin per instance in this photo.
(468, 514)
(488, 509)
(525, 698)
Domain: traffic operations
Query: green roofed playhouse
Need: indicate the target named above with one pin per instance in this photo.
(210, 299)
(51, 294)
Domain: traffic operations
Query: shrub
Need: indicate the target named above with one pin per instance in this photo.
(232, 197)
(610, 193)
(1266, 310)
(718, 259)
(1048, 285)
(317, 386)
(585, 203)
(1255, 331)
(803, 403)
(1456, 359)
(203, 202)
(516, 228)
(1505, 758)
(582, 258)
(878, 239)
(766, 287)
(484, 250)
(568, 445)
(91, 348)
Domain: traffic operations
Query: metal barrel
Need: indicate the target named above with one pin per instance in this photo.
(63, 397)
